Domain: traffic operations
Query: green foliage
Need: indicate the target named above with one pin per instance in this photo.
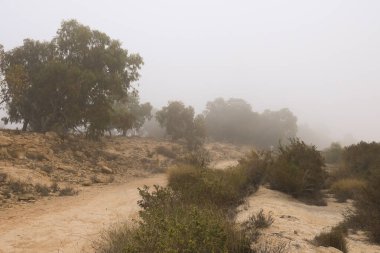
(221, 188)
(335, 238)
(362, 159)
(129, 114)
(71, 81)
(258, 164)
(199, 157)
(333, 154)
(234, 121)
(180, 123)
(347, 188)
(258, 220)
(168, 225)
(298, 170)
(367, 204)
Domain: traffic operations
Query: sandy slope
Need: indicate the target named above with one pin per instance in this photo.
(297, 223)
(69, 224)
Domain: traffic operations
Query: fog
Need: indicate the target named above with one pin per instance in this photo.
(320, 59)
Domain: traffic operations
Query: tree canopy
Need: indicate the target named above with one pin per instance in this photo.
(234, 120)
(71, 81)
(179, 122)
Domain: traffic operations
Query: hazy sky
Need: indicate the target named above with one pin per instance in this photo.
(321, 59)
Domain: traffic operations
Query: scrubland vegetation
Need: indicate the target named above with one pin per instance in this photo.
(81, 82)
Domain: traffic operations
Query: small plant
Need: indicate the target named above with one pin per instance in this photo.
(43, 190)
(3, 177)
(199, 157)
(68, 191)
(162, 150)
(335, 238)
(54, 187)
(271, 246)
(47, 168)
(18, 187)
(259, 220)
(347, 188)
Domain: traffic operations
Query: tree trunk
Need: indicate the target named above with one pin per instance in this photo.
(25, 125)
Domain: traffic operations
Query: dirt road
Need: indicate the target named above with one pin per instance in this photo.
(69, 224)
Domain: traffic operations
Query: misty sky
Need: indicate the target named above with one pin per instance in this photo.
(321, 59)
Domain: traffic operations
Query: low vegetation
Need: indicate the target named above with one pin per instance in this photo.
(347, 188)
(335, 238)
(195, 213)
(168, 224)
(223, 188)
(297, 170)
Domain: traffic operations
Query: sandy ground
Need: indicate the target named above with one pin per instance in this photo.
(69, 224)
(297, 223)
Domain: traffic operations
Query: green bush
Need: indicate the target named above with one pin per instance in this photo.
(223, 188)
(168, 225)
(297, 170)
(199, 157)
(257, 164)
(367, 208)
(346, 188)
(362, 159)
(335, 238)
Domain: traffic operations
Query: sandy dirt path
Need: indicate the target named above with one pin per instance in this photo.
(70, 224)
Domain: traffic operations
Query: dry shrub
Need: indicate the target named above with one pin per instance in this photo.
(223, 188)
(67, 191)
(162, 150)
(366, 215)
(347, 188)
(297, 170)
(43, 190)
(335, 238)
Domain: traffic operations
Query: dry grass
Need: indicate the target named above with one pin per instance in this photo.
(347, 188)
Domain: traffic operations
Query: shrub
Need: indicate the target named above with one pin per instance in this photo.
(223, 188)
(18, 187)
(162, 150)
(362, 159)
(298, 170)
(43, 190)
(335, 238)
(346, 188)
(367, 212)
(168, 225)
(67, 191)
(259, 220)
(199, 157)
(257, 164)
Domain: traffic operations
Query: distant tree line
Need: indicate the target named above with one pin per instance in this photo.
(82, 80)
(230, 120)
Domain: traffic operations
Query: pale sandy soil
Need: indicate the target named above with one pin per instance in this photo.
(297, 223)
(69, 224)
